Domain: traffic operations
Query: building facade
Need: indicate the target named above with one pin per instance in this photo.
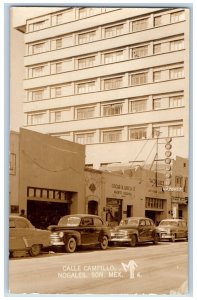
(114, 79)
(46, 177)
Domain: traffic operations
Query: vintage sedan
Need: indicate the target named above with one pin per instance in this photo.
(135, 230)
(173, 229)
(24, 237)
(79, 230)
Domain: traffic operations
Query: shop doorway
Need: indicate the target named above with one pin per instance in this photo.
(44, 213)
(129, 211)
(113, 211)
(93, 207)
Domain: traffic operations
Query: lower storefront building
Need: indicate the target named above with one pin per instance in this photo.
(50, 178)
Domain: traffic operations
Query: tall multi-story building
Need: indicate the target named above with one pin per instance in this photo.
(114, 79)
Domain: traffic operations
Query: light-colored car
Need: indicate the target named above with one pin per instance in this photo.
(173, 229)
(24, 237)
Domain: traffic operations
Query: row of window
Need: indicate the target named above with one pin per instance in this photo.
(96, 34)
(125, 106)
(103, 58)
(65, 16)
(114, 108)
(152, 75)
(123, 134)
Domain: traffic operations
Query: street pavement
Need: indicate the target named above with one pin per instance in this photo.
(144, 270)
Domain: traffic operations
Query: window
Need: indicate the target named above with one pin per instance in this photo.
(177, 73)
(178, 181)
(85, 138)
(156, 132)
(85, 113)
(35, 119)
(38, 25)
(87, 12)
(58, 43)
(138, 106)
(38, 71)
(58, 92)
(177, 16)
(58, 67)
(157, 76)
(112, 109)
(57, 116)
(157, 103)
(177, 45)
(157, 48)
(37, 95)
(87, 87)
(113, 31)
(21, 224)
(98, 222)
(38, 48)
(157, 21)
(138, 79)
(138, 133)
(113, 83)
(175, 130)
(112, 136)
(140, 51)
(113, 57)
(59, 19)
(86, 62)
(140, 24)
(176, 101)
(87, 37)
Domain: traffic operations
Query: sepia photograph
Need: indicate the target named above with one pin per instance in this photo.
(99, 150)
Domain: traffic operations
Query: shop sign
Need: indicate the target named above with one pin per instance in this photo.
(122, 190)
(179, 200)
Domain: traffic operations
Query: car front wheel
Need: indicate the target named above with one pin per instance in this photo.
(156, 239)
(35, 250)
(104, 243)
(173, 238)
(71, 245)
(133, 241)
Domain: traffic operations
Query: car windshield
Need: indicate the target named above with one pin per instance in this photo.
(168, 222)
(129, 222)
(69, 221)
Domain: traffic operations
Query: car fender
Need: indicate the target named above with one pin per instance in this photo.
(133, 231)
(72, 233)
(103, 233)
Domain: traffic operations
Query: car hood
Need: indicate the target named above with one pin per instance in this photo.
(119, 228)
(166, 227)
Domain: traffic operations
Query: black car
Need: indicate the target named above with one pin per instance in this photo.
(135, 230)
(79, 230)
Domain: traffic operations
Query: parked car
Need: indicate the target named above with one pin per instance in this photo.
(173, 229)
(23, 236)
(135, 230)
(79, 230)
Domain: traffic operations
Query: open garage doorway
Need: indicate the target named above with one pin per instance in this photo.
(45, 213)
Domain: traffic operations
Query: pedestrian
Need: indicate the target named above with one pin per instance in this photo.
(22, 214)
